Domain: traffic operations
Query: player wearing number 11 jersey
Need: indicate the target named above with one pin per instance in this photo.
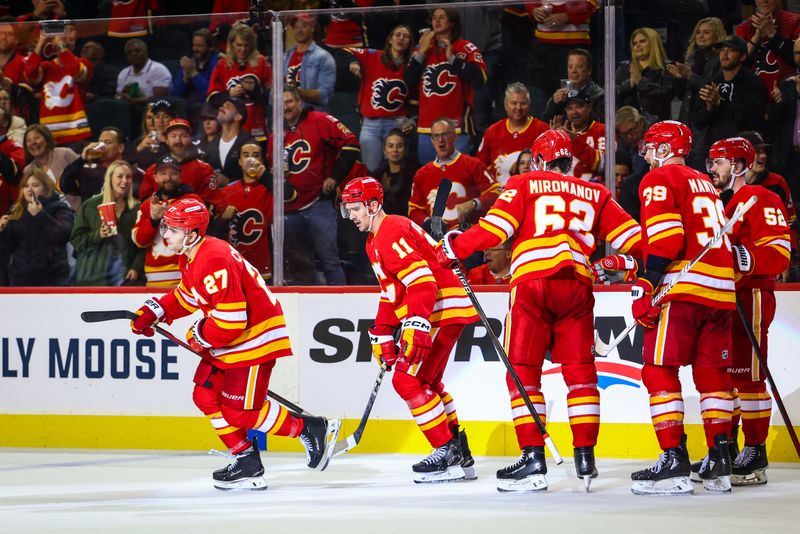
(555, 220)
(241, 334)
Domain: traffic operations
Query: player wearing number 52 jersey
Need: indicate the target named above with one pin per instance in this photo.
(761, 250)
(681, 212)
(241, 334)
(555, 220)
(429, 307)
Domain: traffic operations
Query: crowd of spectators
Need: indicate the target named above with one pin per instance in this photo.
(102, 125)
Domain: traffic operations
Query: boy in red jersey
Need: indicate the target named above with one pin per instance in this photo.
(241, 334)
(761, 250)
(430, 308)
(556, 220)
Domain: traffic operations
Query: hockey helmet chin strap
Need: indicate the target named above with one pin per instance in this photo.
(185, 245)
(372, 215)
(656, 149)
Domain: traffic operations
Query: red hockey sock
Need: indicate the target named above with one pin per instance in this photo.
(583, 403)
(716, 401)
(426, 407)
(232, 436)
(666, 403)
(756, 412)
(528, 434)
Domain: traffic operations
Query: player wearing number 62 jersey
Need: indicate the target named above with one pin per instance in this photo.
(241, 334)
(555, 220)
(429, 307)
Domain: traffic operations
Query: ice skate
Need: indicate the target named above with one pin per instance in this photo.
(715, 469)
(669, 475)
(525, 475)
(750, 466)
(733, 450)
(585, 466)
(443, 464)
(468, 461)
(245, 472)
(318, 437)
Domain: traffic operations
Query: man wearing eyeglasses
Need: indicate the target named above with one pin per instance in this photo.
(631, 126)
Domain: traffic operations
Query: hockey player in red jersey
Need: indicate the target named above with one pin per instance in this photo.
(761, 251)
(556, 221)
(241, 334)
(681, 212)
(428, 306)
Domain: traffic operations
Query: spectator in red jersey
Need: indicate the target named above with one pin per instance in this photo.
(474, 189)
(579, 76)
(396, 173)
(643, 82)
(588, 137)
(382, 95)
(12, 65)
(309, 68)
(497, 269)
(44, 10)
(245, 74)
(505, 139)
(769, 34)
(12, 160)
(445, 69)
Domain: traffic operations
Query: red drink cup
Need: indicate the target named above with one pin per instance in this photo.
(108, 216)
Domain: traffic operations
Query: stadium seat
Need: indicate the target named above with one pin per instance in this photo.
(109, 112)
(343, 107)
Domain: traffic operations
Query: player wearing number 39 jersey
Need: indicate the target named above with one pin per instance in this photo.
(241, 334)
(555, 220)
(429, 308)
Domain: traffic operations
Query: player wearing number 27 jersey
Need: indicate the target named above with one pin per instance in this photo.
(556, 221)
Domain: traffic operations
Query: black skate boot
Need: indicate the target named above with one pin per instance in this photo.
(715, 470)
(318, 437)
(750, 466)
(245, 472)
(669, 475)
(468, 461)
(443, 464)
(584, 465)
(733, 451)
(526, 474)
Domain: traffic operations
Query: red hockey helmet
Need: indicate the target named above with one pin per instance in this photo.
(551, 145)
(188, 214)
(733, 148)
(673, 133)
(364, 190)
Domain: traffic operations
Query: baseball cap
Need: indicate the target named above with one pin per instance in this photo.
(237, 102)
(167, 161)
(576, 94)
(208, 111)
(179, 123)
(163, 104)
(732, 41)
(305, 17)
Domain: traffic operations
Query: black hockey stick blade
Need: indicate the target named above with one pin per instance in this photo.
(352, 440)
(439, 205)
(107, 315)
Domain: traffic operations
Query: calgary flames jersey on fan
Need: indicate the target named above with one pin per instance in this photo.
(589, 152)
(470, 180)
(131, 18)
(160, 263)
(383, 92)
(249, 229)
(347, 29)
(442, 93)
(225, 75)
(411, 279)
(681, 212)
(313, 147)
(500, 146)
(557, 221)
(244, 321)
(764, 233)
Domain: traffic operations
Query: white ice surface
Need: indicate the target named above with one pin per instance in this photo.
(57, 491)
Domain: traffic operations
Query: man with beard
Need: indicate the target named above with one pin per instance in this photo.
(588, 137)
(192, 82)
(223, 153)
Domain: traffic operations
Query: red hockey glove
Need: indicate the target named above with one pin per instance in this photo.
(642, 307)
(742, 259)
(445, 254)
(613, 269)
(197, 342)
(149, 314)
(383, 346)
(415, 340)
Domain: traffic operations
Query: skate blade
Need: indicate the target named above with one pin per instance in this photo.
(451, 474)
(718, 485)
(529, 484)
(587, 481)
(695, 477)
(245, 484)
(334, 426)
(756, 478)
(469, 473)
(669, 486)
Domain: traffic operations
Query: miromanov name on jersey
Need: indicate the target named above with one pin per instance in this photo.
(564, 186)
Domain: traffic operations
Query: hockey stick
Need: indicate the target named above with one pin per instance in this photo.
(441, 199)
(602, 349)
(763, 364)
(352, 440)
(110, 315)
